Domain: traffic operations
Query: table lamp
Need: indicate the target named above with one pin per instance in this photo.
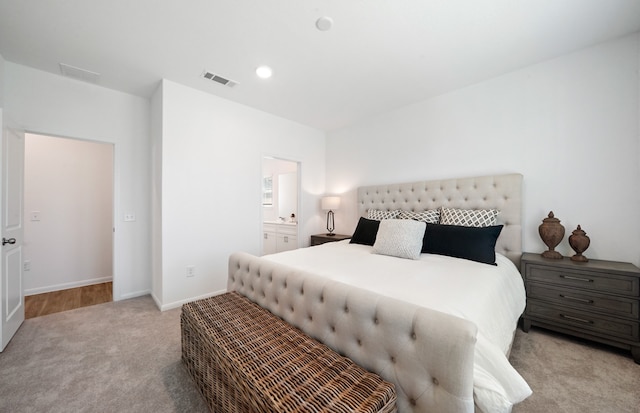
(329, 203)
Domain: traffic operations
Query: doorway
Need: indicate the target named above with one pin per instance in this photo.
(68, 225)
(280, 204)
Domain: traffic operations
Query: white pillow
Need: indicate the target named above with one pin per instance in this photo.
(468, 217)
(400, 238)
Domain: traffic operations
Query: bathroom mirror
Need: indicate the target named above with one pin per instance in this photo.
(280, 193)
(288, 195)
(279, 189)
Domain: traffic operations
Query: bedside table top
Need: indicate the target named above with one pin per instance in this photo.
(334, 237)
(593, 264)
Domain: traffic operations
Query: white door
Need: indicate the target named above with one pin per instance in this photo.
(11, 199)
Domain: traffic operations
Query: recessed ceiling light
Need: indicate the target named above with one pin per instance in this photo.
(264, 72)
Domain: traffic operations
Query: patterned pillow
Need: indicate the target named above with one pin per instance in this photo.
(468, 217)
(402, 238)
(430, 215)
(379, 214)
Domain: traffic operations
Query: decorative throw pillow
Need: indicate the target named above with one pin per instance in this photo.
(468, 217)
(471, 243)
(365, 232)
(401, 238)
(428, 215)
(379, 214)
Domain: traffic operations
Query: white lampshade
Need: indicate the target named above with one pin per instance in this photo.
(330, 203)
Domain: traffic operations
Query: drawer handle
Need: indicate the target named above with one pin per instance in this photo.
(582, 300)
(570, 277)
(582, 320)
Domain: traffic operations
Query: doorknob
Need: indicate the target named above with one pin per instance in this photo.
(8, 241)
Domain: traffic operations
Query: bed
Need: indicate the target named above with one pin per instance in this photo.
(439, 327)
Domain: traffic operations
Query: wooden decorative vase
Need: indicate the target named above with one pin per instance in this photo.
(579, 243)
(551, 231)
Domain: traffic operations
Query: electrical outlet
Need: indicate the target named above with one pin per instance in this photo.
(26, 265)
(191, 270)
(129, 217)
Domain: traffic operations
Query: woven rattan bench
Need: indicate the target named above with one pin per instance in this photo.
(245, 359)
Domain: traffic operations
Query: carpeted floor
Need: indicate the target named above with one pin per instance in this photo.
(125, 357)
(115, 357)
(572, 375)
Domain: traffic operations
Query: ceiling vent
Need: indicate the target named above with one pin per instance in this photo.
(218, 79)
(80, 74)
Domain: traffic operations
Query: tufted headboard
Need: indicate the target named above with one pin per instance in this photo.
(503, 192)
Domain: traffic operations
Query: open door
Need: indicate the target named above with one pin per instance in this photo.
(11, 200)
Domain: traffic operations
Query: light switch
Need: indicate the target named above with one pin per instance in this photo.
(129, 216)
(35, 215)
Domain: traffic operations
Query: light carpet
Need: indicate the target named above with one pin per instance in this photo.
(571, 375)
(116, 357)
(125, 357)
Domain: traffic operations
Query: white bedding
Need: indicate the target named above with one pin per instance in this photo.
(493, 297)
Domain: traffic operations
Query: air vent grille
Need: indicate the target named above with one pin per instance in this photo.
(218, 79)
(80, 74)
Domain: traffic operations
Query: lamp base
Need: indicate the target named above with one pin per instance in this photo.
(330, 225)
(330, 234)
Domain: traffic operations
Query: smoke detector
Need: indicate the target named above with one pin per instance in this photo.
(218, 79)
(79, 74)
(324, 23)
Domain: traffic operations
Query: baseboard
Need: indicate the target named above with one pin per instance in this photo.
(66, 286)
(132, 295)
(177, 304)
(157, 301)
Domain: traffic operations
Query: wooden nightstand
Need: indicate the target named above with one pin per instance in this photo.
(597, 300)
(324, 238)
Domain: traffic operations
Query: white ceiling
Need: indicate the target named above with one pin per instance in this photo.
(379, 55)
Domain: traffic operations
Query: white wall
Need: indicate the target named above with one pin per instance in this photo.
(212, 153)
(569, 125)
(54, 105)
(156, 195)
(2, 63)
(70, 184)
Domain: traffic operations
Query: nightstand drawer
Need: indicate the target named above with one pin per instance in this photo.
(588, 280)
(584, 321)
(612, 305)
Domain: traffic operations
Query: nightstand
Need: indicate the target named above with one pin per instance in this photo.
(597, 300)
(324, 238)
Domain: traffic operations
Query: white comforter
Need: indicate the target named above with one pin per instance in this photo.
(492, 297)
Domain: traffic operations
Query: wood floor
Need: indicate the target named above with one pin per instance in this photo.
(57, 301)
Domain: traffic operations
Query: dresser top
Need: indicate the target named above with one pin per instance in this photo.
(592, 264)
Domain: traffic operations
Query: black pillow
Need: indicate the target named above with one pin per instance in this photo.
(365, 232)
(471, 243)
